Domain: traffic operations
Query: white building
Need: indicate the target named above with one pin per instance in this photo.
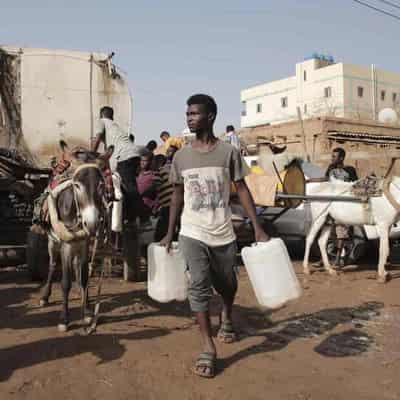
(322, 87)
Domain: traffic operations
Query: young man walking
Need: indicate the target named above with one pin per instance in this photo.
(202, 174)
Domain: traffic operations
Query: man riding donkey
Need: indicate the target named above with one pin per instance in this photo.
(124, 162)
(121, 156)
(76, 200)
(202, 174)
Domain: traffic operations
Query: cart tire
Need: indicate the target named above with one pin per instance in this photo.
(37, 256)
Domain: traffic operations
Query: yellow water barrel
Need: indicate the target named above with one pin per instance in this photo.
(292, 181)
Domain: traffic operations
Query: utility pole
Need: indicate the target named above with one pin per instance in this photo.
(303, 134)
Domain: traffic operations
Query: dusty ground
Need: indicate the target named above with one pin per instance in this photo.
(339, 341)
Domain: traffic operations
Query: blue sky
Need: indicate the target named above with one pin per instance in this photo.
(171, 49)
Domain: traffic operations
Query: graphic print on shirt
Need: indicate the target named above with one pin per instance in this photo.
(205, 192)
(340, 173)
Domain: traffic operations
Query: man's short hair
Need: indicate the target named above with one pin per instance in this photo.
(107, 112)
(340, 151)
(160, 159)
(205, 100)
(152, 145)
(230, 128)
(164, 133)
(147, 154)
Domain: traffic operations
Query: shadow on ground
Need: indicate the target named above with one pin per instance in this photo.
(107, 347)
(281, 333)
(16, 313)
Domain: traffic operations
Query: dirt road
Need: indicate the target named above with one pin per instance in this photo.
(339, 341)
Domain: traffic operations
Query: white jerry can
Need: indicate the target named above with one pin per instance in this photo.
(167, 280)
(271, 273)
(116, 215)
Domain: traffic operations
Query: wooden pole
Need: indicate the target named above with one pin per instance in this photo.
(91, 100)
(306, 155)
(323, 198)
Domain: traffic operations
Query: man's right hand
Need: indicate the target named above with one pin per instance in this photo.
(167, 242)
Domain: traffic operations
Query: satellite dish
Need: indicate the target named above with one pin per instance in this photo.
(388, 116)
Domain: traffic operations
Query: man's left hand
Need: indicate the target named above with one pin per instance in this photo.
(260, 235)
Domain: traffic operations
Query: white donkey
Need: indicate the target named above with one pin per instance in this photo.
(381, 211)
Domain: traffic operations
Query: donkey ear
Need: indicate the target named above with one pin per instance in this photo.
(66, 154)
(63, 145)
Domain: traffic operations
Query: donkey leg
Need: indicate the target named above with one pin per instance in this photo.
(66, 258)
(322, 242)
(383, 275)
(315, 227)
(83, 266)
(46, 293)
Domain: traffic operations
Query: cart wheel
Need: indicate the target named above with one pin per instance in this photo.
(37, 256)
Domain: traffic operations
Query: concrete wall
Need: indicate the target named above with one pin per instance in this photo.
(312, 91)
(363, 107)
(56, 99)
(269, 96)
(307, 91)
(367, 158)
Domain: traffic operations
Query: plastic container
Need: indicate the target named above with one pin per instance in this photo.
(167, 279)
(116, 215)
(271, 273)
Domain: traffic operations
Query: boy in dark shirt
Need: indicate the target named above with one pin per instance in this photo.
(338, 170)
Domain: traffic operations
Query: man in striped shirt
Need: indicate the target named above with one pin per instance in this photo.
(165, 191)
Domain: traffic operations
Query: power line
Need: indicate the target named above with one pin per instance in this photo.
(389, 3)
(377, 9)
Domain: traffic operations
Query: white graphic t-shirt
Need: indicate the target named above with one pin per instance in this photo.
(207, 177)
(124, 147)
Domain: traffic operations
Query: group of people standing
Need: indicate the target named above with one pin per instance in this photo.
(188, 186)
(153, 184)
(143, 172)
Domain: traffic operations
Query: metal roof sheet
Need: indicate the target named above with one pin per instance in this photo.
(364, 137)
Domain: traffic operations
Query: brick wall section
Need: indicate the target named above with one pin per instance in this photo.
(367, 158)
